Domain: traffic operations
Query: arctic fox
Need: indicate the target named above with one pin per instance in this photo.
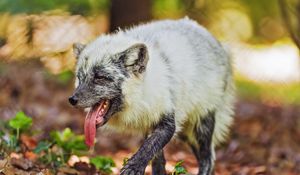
(164, 79)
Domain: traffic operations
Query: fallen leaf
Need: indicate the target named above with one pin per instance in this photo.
(85, 167)
(72, 160)
(84, 159)
(260, 169)
(28, 141)
(30, 155)
(82, 166)
(22, 163)
(68, 170)
(3, 163)
(9, 171)
(15, 155)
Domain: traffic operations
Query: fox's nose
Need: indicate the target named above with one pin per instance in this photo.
(73, 100)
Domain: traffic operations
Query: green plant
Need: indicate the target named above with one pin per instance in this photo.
(60, 147)
(20, 122)
(179, 169)
(104, 164)
(11, 130)
(68, 141)
(53, 152)
(125, 160)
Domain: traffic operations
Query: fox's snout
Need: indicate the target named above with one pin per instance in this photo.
(73, 100)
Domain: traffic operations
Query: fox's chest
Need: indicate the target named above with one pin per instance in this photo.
(133, 123)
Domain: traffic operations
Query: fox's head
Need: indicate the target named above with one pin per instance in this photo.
(102, 68)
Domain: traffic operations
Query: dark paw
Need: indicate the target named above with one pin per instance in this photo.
(132, 169)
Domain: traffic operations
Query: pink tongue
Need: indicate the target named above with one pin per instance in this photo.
(90, 125)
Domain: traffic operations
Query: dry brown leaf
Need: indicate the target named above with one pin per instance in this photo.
(3, 163)
(9, 170)
(22, 163)
(28, 141)
(85, 167)
(260, 169)
(68, 170)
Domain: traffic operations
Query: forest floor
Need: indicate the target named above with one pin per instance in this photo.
(265, 138)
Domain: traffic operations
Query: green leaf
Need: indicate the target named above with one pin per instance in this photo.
(61, 137)
(42, 146)
(76, 143)
(69, 141)
(21, 121)
(179, 169)
(103, 163)
(67, 134)
(125, 161)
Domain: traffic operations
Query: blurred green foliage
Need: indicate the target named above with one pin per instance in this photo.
(69, 141)
(103, 164)
(258, 9)
(65, 77)
(264, 15)
(82, 7)
(169, 8)
(285, 94)
(21, 121)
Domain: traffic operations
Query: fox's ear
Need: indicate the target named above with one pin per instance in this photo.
(77, 48)
(136, 58)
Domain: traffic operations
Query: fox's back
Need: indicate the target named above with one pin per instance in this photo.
(197, 61)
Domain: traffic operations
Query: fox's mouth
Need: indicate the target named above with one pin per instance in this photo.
(96, 117)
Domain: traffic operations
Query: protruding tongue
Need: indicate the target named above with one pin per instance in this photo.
(90, 124)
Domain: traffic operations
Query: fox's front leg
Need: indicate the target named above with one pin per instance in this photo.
(161, 135)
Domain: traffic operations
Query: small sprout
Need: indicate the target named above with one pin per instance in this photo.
(179, 169)
(103, 164)
(125, 161)
(20, 122)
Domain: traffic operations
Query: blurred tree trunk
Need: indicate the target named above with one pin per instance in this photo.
(125, 13)
(291, 16)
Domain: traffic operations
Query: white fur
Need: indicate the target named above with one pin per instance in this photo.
(191, 86)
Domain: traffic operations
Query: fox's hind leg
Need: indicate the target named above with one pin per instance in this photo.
(159, 163)
(202, 145)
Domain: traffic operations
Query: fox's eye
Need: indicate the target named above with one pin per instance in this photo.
(101, 78)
